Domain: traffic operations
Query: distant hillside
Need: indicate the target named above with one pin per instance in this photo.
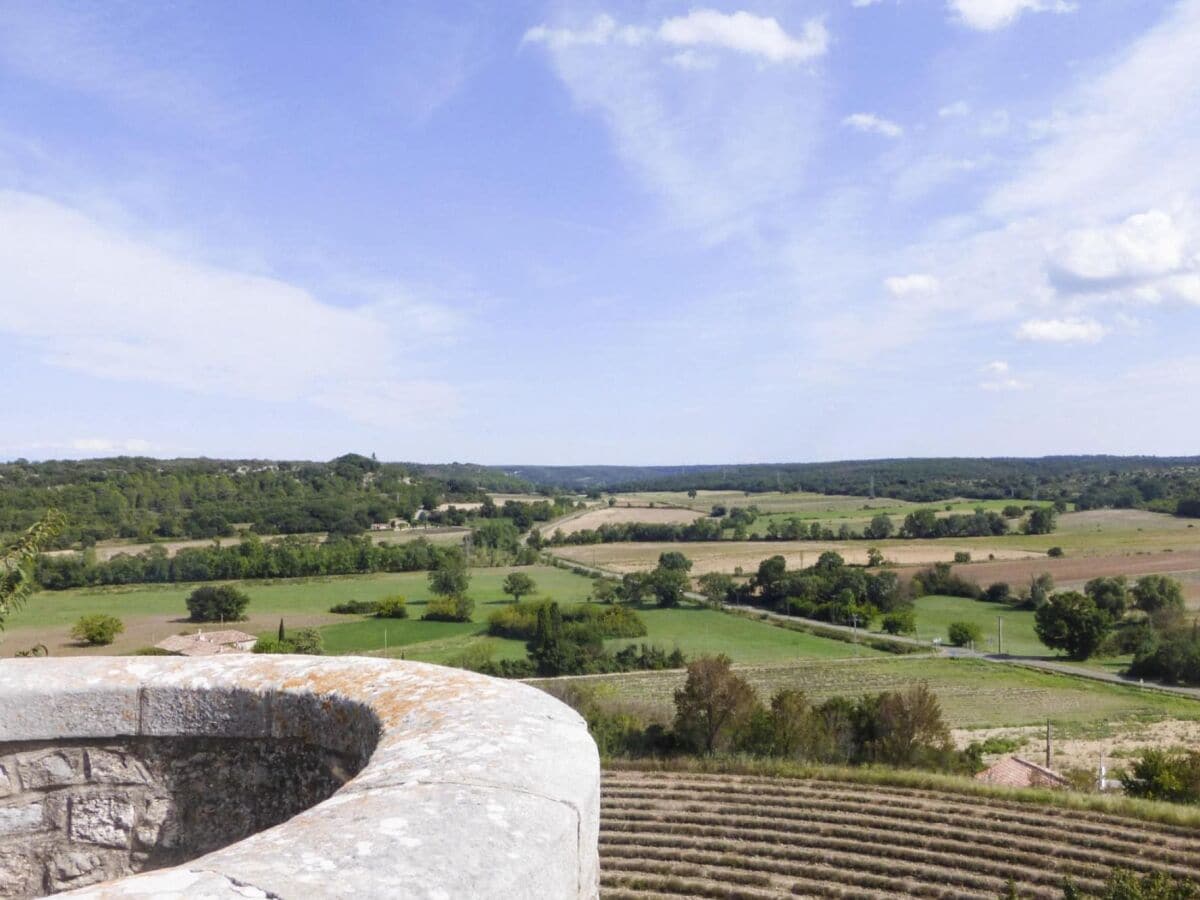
(1090, 481)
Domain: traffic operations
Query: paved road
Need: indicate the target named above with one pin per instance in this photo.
(1029, 662)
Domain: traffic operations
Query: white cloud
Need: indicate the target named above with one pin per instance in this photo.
(911, 285)
(108, 445)
(955, 110)
(999, 377)
(744, 32)
(1062, 331)
(989, 15)
(112, 304)
(873, 124)
(1142, 246)
(759, 36)
(726, 147)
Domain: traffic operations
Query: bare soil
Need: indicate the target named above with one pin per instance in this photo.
(594, 518)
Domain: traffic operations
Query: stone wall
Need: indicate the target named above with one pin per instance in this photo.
(455, 784)
(74, 813)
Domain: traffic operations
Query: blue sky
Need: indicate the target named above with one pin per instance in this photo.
(600, 232)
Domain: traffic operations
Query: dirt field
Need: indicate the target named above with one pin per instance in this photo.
(726, 556)
(1073, 571)
(613, 515)
(1123, 743)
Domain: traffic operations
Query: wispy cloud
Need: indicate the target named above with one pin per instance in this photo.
(1062, 331)
(873, 124)
(116, 305)
(999, 377)
(742, 32)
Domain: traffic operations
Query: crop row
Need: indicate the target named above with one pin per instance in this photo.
(739, 836)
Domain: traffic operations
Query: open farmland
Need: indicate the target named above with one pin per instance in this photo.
(728, 556)
(974, 693)
(615, 515)
(934, 615)
(718, 835)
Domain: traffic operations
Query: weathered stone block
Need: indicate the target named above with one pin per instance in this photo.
(8, 785)
(76, 868)
(107, 767)
(157, 826)
(107, 821)
(20, 818)
(50, 769)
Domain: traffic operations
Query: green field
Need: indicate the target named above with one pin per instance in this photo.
(934, 615)
(152, 612)
(974, 693)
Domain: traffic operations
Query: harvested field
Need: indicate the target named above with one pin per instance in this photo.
(726, 556)
(1074, 571)
(619, 515)
(703, 835)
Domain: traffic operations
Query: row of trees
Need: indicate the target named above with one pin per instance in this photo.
(717, 711)
(289, 557)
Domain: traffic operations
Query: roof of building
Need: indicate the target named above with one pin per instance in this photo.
(206, 643)
(1014, 771)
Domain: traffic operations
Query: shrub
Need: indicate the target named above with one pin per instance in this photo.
(940, 580)
(962, 634)
(355, 608)
(217, 603)
(1055, 552)
(152, 651)
(900, 621)
(1160, 775)
(999, 592)
(962, 556)
(97, 630)
(394, 607)
(307, 641)
(1012, 511)
(449, 609)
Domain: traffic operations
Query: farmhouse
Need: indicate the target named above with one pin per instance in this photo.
(1013, 771)
(209, 643)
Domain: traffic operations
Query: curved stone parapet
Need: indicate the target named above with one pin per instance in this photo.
(466, 786)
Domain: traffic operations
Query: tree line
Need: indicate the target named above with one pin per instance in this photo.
(288, 557)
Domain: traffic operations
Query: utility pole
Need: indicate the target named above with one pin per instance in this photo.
(1048, 744)
(999, 635)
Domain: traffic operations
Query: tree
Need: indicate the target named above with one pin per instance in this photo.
(1109, 594)
(1071, 621)
(217, 603)
(998, 592)
(97, 630)
(548, 649)
(18, 560)
(450, 578)
(634, 587)
(604, 590)
(307, 641)
(1040, 521)
(282, 632)
(875, 558)
(1156, 593)
(963, 634)
(716, 587)
(1160, 775)
(674, 560)
(908, 724)
(712, 703)
(1040, 588)
(669, 586)
(518, 585)
(880, 528)
(692, 494)
(900, 621)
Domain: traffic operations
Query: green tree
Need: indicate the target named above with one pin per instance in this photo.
(449, 609)
(963, 634)
(1160, 775)
(716, 587)
(1156, 593)
(518, 585)
(450, 578)
(392, 607)
(711, 704)
(19, 559)
(307, 641)
(1040, 521)
(1109, 594)
(217, 603)
(900, 621)
(669, 586)
(880, 528)
(1071, 621)
(97, 630)
(604, 590)
(675, 561)
(634, 587)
